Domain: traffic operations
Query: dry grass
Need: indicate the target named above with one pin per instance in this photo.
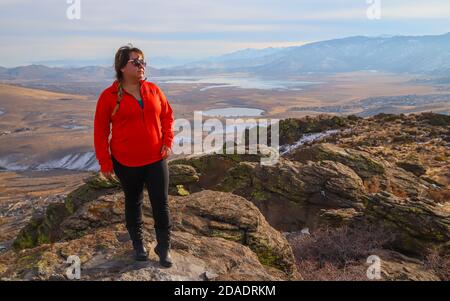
(438, 264)
(337, 254)
(372, 185)
(396, 190)
(440, 196)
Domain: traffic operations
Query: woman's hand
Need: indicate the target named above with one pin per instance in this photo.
(165, 150)
(108, 175)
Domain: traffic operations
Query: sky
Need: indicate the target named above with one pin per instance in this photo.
(45, 30)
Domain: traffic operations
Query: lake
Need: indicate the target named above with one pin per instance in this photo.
(233, 112)
(229, 81)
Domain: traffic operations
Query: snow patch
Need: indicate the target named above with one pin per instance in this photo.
(9, 164)
(80, 161)
(286, 149)
(74, 127)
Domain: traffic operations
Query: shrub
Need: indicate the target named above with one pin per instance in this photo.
(438, 264)
(336, 254)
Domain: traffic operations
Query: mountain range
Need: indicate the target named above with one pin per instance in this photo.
(398, 54)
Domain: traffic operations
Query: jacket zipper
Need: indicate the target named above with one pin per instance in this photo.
(142, 109)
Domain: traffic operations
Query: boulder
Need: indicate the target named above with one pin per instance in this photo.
(361, 162)
(215, 233)
(396, 267)
(418, 223)
(291, 194)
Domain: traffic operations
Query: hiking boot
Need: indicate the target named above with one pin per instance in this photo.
(140, 251)
(162, 248)
(136, 235)
(164, 257)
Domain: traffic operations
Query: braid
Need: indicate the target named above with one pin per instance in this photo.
(119, 98)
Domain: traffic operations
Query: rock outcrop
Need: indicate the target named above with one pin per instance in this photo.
(228, 210)
(217, 236)
(418, 223)
(396, 266)
(371, 173)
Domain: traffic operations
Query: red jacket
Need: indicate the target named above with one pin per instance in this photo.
(137, 134)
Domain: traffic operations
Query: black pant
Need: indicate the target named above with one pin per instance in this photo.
(156, 178)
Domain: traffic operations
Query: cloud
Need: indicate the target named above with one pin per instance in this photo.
(194, 27)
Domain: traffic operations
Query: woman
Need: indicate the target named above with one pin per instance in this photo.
(141, 120)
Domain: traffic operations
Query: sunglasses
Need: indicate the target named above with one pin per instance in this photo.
(138, 62)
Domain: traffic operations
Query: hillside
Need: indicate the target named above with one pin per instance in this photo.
(376, 186)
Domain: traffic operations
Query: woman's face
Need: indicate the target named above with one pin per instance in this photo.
(132, 72)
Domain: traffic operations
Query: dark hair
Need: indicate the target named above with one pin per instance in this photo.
(120, 60)
(122, 57)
